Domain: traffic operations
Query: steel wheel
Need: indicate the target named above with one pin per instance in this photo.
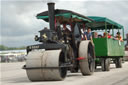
(87, 65)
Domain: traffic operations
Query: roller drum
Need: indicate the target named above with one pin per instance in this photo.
(49, 61)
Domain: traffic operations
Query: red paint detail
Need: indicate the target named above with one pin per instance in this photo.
(109, 36)
(64, 26)
(55, 23)
(71, 23)
(83, 26)
(80, 58)
(82, 38)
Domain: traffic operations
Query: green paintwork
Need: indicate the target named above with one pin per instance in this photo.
(100, 22)
(65, 15)
(97, 59)
(108, 47)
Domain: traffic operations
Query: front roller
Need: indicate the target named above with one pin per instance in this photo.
(86, 52)
(46, 65)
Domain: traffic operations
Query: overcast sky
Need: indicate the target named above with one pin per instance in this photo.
(19, 24)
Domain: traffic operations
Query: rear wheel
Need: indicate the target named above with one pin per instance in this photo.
(118, 62)
(105, 63)
(87, 64)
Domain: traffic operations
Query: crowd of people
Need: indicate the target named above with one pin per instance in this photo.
(88, 35)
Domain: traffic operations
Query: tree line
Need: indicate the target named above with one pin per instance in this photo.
(2, 47)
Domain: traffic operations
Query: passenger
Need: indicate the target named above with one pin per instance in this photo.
(118, 36)
(104, 35)
(95, 35)
(99, 36)
(109, 35)
(88, 35)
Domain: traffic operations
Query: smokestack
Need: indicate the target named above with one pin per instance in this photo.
(51, 15)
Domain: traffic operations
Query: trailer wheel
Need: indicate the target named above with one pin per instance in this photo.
(87, 64)
(95, 65)
(118, 62)
(105, 63)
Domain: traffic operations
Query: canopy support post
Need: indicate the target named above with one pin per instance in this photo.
(112, 30)
(118, 30)
(105, 27)
(123, 32)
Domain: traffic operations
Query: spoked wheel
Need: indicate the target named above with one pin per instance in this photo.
(87, 64)
(91, 61)
(105, 63)
(71, 59)
(118, 62)
(63, 69)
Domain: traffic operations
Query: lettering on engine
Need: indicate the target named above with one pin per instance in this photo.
(33, 47)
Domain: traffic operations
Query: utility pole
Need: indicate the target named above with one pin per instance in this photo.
(126, 46)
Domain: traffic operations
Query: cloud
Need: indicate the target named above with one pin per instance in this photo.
(18, 20)
(116, 11)
(19, 24)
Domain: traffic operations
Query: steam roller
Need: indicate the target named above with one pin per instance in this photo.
(62, 47)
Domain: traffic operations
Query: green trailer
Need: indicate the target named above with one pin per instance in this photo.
(107, 49)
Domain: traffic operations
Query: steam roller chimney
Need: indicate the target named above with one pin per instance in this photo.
(51, 15)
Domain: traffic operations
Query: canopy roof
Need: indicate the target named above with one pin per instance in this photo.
(100, 23)
(64, 16)
(95, 22)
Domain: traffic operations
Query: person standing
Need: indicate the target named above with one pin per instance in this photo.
(109, 35)
(95, 35)
(88, 34)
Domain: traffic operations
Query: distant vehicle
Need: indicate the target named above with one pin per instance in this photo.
(21, 58)
(12, 57)
(8, 57)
